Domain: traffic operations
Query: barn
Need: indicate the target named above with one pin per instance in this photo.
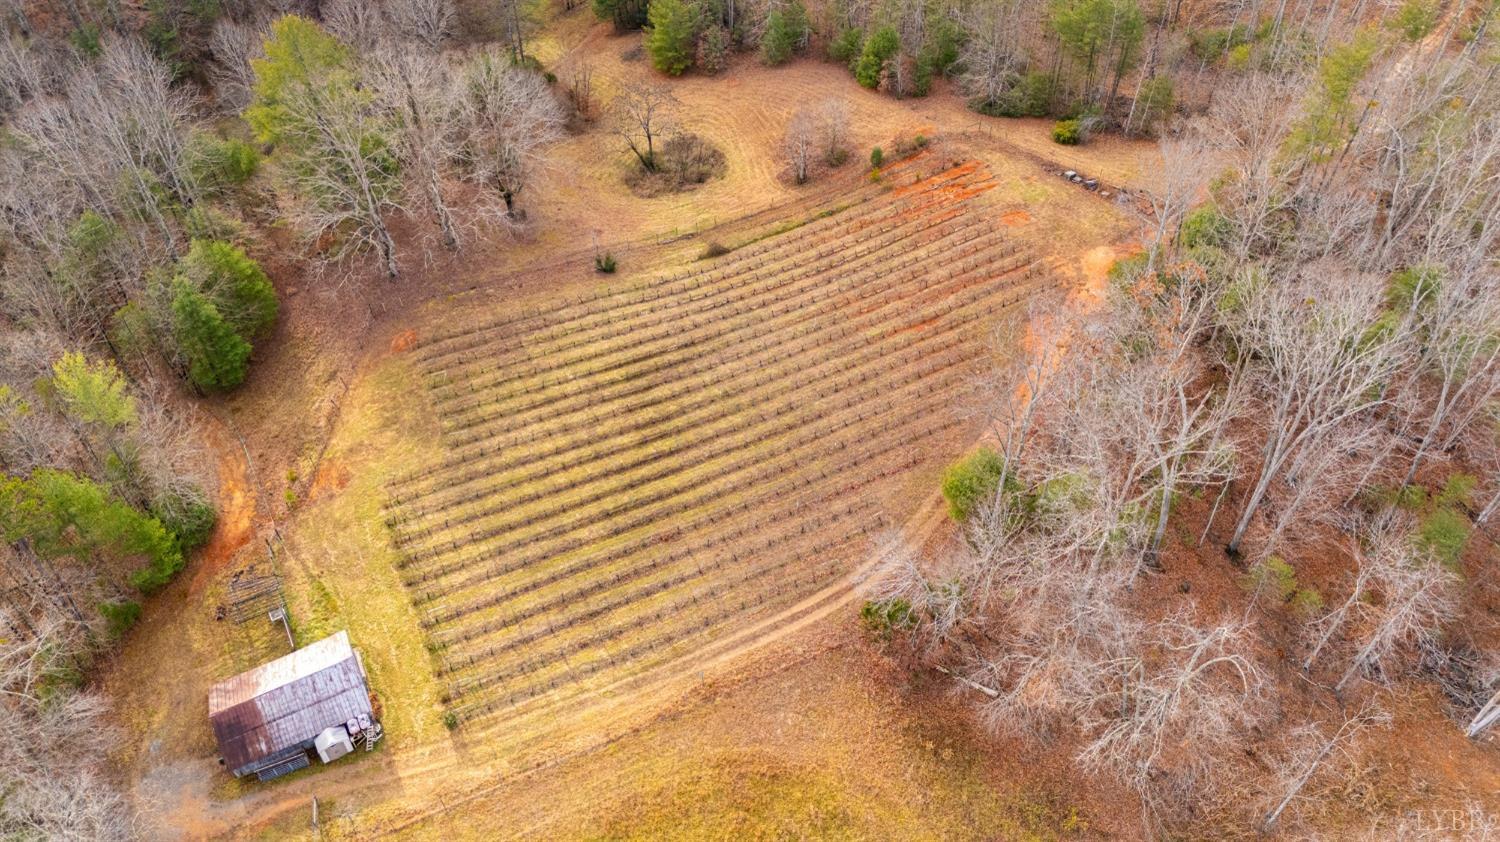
(270, 720)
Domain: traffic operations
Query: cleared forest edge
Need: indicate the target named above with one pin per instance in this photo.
(652, 470)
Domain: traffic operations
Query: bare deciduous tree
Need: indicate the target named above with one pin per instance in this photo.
(115, 141)
(1432, 165)
(833, 130)
(51, 761)
(1317, 369)
(1182, 703)
(1174, 187)
(426, 22)
(580, 76)
(506, 117)
(994, 52)
(25, 72)
(1417, 595)
(358, 23)
(1454, 378)
(234, 45)
(513, 26)
(1312, 751)
(644, 115)
(337, 162)
(798, 144)
(1249, 122)
(414, 88)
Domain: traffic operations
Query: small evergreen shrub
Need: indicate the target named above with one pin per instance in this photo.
(1444, 533)
(1127, 270)
(970, 482)
(217, 357)
(1203, 227)
(155, 576)
(877, 157)
(669, 37)
(206, 222)
(845, 48)
(940, 53)
(1067, 132)
(1277, 579)
(912, 146)
(1412, 286)
(87, 41)
(1033, 95)
(1239, 57)
(120, 616)
(235, 283)
(884, 617)
(1210, 44)
(190, 519)
(1306, 602)
(218, 164)
(786, 32)
(604, 263)
(1415, 19)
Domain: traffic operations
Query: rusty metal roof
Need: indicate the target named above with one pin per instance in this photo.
(279, 705)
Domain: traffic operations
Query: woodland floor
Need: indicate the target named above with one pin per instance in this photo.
(787, 723)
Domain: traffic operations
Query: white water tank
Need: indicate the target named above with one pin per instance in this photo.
(333, 743)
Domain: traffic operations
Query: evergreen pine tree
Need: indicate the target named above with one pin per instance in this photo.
(63, 514)
(785, 30)
(670, 40)
(879, 49)
(216, 355)
(235, 283)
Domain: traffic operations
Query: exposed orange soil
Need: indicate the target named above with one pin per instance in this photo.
(330, 478)
(403, 341)
(235, 501)
(1095, 265)
(1015, 218)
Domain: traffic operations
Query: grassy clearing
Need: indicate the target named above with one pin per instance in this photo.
(817, 748)
(340, 565)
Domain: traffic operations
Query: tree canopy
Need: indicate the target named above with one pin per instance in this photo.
(669, 38)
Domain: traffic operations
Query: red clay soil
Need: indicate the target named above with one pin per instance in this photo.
(330, 478)
(236, 504)
(403, 341)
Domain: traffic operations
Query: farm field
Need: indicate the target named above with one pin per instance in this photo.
(556, 507)
(680, 420)
(554, 503)
(633, 473)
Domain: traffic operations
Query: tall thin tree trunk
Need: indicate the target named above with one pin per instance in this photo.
(1154, 554)
(440, 207)
(1489, 509)
(1427, 436)
(1270, 823)
(1262, 484)
(387, 249)
(23, 24)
